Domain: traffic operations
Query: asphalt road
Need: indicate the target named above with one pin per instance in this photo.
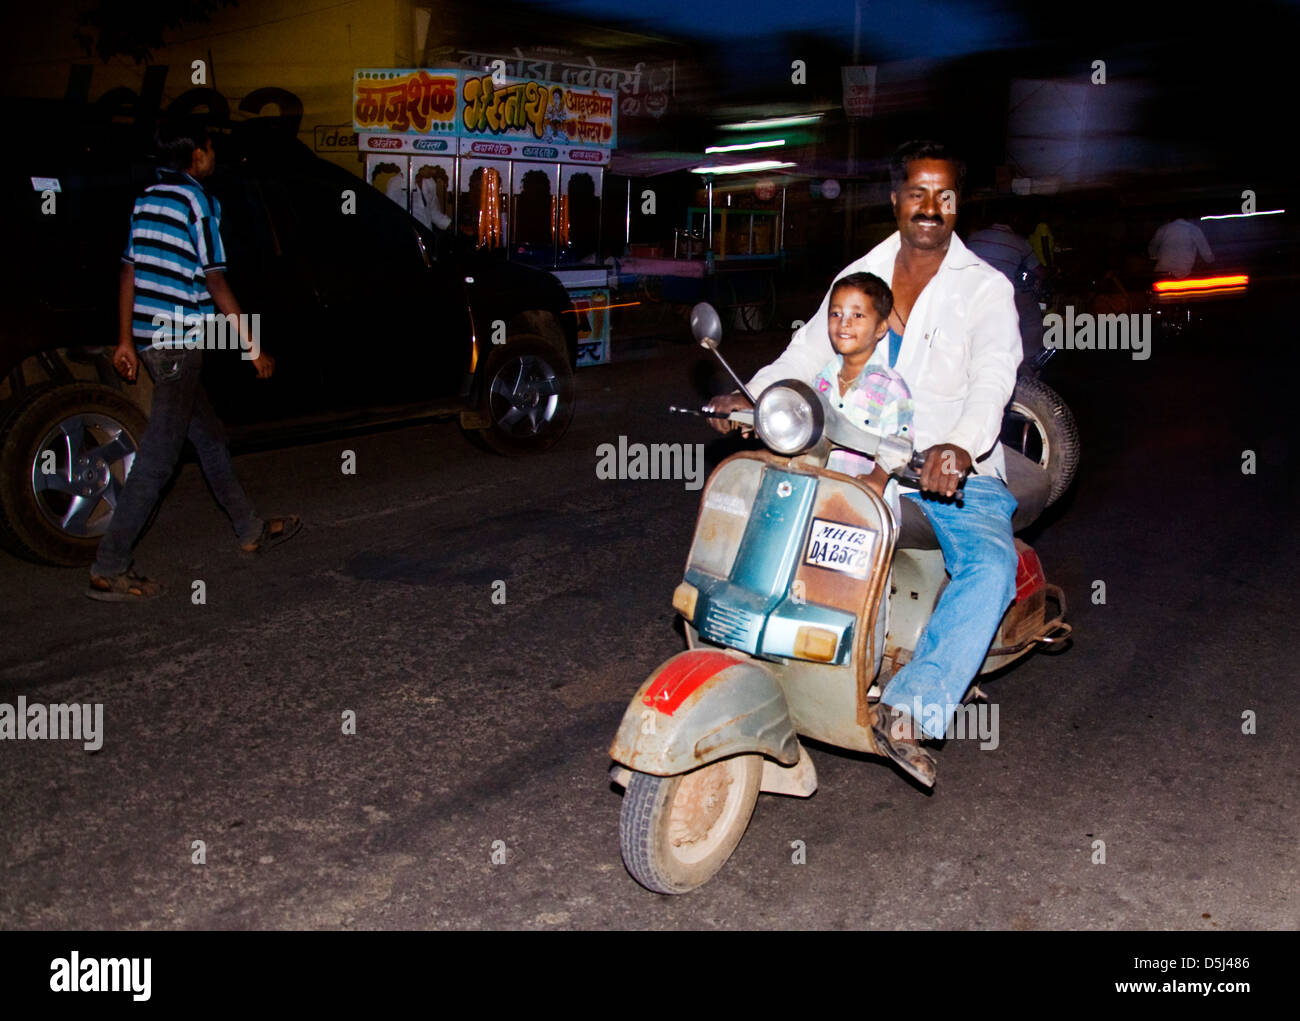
(482, 726)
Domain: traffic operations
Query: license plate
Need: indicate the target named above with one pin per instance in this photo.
(840, 547)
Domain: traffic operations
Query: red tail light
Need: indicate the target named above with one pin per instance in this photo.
(1029, 572)
(1200, 287)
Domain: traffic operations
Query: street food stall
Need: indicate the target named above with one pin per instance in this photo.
(728, 243)
(512, 164)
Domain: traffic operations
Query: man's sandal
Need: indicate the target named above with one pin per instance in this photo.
(123, 588)
(906, 751)
(274, 532)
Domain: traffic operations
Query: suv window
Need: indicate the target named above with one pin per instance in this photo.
(369, 249)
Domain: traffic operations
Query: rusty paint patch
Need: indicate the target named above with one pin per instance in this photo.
(835, 588)
(716, 738)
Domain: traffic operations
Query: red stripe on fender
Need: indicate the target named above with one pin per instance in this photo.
(682, 676)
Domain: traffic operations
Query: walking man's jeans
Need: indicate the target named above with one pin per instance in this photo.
(980, 555)
(180, 409)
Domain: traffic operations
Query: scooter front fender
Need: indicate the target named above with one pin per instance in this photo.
(700, 706)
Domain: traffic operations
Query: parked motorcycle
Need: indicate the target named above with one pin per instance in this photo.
(799, 606)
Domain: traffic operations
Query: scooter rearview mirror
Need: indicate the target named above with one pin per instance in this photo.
(707, 328)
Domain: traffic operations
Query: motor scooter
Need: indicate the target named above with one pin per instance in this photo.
(798, 608)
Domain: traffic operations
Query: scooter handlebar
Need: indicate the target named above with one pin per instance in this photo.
(911, 473)
(744, 416)
(892, 452)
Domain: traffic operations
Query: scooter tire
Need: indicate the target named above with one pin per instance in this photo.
(678, 831)
(1056, 446)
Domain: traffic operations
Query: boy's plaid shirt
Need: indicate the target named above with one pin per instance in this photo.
(878, 400)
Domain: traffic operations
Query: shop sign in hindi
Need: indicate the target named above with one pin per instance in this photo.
(859, 90)
(440, 110)
(415, 102)
(520, 117)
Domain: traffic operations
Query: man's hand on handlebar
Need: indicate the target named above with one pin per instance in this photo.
(726, 404)
(945, 467)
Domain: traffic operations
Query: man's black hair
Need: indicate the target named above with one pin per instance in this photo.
(176, 140)
(873, 287)
(922, 149)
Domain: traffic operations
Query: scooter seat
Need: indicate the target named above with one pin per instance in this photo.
(1029, 484)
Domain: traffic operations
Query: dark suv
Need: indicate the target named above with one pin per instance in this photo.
(370, 318)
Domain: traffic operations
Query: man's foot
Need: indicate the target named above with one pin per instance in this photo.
(123, 588)
(896, 738)
(274, 532)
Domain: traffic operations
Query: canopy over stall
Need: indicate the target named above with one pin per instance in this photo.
(727, 248)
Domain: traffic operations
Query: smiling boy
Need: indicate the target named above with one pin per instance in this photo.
(859, 382)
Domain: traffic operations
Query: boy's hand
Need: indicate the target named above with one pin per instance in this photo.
(945, 466)
(126, 361)
(877, 480)
(264, 365)
(727, 403)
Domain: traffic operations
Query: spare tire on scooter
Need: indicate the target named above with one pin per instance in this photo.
(1040, 425)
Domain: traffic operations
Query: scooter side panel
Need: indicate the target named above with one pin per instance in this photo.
(733, 706)
(918, 578)
(824, 704)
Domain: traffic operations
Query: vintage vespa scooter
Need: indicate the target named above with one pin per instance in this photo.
(798, 609)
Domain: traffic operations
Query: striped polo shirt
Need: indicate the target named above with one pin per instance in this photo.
(175, 239)
(1004, 250)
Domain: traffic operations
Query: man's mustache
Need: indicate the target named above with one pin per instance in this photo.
(928, 219)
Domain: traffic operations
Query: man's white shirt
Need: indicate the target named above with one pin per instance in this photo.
(1175, 247)
(959, 353)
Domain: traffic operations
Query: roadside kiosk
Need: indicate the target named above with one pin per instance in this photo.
(509, 163)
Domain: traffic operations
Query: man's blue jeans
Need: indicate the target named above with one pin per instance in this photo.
(180, 409)
(980, 555)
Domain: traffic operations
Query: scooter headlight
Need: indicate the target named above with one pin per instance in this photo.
(789, 417)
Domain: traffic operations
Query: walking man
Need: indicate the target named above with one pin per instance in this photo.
(174, 267)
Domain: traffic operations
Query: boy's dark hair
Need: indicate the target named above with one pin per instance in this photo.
(882, 298)
(176, 140)
(922, 149)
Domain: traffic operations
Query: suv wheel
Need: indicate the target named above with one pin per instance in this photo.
(65, 452)
(528, 396)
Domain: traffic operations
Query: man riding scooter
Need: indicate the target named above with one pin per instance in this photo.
(956, 332)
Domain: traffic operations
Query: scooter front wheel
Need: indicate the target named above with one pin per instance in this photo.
(677, 831)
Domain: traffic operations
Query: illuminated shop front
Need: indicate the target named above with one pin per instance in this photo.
(510, 164)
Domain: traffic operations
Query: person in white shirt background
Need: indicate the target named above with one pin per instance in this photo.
(1175, 248)
(960, 348)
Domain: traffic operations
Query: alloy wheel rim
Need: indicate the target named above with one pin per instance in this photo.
(78, 472)
(525, 396)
